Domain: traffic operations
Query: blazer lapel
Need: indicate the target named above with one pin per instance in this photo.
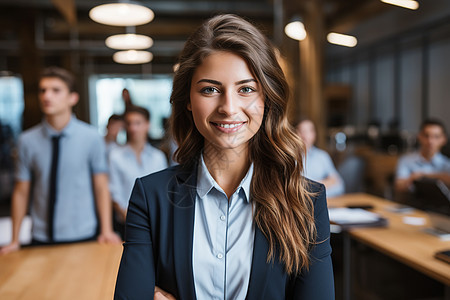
(184, 209)
(260, 267)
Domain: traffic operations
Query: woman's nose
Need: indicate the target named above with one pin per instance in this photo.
(228, 104)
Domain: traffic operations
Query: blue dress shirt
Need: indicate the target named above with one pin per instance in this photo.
(415, 162)
(124, 168)
(223, 238)
(318, 166)
(82, 154)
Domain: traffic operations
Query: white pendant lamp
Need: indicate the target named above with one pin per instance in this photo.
(129, 41)
(121, 14)
(132, 57)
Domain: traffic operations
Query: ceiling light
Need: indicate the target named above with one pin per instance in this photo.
(121, 14)
(132, 57)
(342, 39)
(295, 30)
(129, 41)
(410, 4)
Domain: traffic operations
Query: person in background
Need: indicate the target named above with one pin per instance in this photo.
(126, 98)
(235, 219)
(428, 161)
(114, 126)
(62, 163)
(135, 159)
(318, 163)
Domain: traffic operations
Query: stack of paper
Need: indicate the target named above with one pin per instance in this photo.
(355, 217)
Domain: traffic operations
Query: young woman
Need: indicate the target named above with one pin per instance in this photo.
(235, 219)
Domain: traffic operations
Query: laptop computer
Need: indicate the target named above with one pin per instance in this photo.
(431, 195)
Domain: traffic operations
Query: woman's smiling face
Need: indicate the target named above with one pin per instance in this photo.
(226, 101)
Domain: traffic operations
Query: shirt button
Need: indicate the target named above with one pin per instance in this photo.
(222, 218)
(220, 256)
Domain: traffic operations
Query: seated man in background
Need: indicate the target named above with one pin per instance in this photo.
(318, 165)
(62, 164)
(428, 161)
(114, 126)
(135, 159)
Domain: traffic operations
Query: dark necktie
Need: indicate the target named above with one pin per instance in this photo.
(53, 186)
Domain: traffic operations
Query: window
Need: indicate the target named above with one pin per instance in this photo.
(11, 109)
(152, 93)
(11, 105)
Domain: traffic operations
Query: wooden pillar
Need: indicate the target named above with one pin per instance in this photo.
(30, 68)
(312, 104)
(289, 62)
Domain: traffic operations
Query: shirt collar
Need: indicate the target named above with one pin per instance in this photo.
(69, 129)
(205, 182)
(129, 151)
(437, 159)
(311, 149)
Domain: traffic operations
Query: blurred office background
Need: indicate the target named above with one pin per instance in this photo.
(367, 100)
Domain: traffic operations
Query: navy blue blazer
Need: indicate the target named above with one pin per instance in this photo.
(159, 237)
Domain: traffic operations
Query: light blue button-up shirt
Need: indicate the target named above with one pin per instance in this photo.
(82, 154)
(318, 166)
(124, 168)
(415, 162)
(223, 238)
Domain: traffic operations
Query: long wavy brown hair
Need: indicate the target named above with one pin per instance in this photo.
(283, 205)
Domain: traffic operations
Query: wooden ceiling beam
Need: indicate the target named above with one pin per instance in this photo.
(345, 21)
(162, 28)
(67, 9)
(156, 29)
(251, 8)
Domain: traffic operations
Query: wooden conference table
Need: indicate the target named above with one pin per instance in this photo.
(407, 244)
(88, 270)
(73, 271)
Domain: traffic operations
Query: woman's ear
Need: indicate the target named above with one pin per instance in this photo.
(189, 107)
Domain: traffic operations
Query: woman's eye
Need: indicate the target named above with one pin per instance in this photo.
(209, 90)
(246, 90)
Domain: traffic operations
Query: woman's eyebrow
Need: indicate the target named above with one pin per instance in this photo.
(210, 81)
(219, 83)
(246, 81)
